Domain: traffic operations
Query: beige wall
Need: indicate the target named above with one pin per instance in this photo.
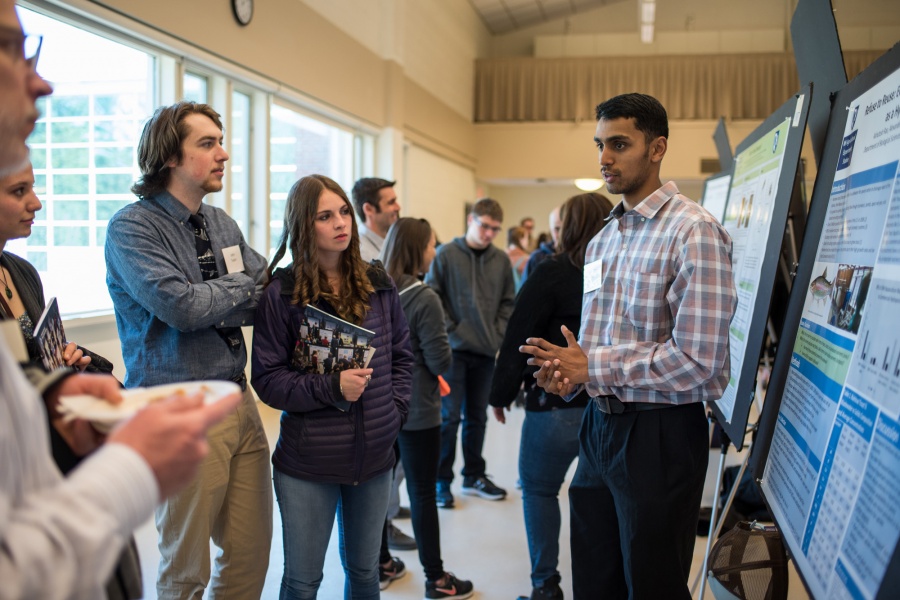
(436, 189)
(294, 45)
(435, 41)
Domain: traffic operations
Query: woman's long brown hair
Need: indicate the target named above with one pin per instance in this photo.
(404, 247)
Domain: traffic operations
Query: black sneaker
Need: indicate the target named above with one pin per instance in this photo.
(397, 540)
(484, 487)
(388, 574)
(548, 591)
(448, 587)
(444, 498)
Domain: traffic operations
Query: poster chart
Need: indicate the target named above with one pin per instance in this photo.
(748, 219)
(832, 477)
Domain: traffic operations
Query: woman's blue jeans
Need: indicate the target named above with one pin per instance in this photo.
(548, 446)
(307, 515)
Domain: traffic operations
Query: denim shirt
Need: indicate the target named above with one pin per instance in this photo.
(165, 313)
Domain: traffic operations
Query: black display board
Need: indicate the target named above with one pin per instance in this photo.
(790, 260)
(817, 52)
(762, 185)
(827, 454)
(723, 146)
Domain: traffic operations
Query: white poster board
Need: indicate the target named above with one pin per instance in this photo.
(832, 477)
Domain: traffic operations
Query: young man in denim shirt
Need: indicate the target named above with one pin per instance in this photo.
(183, 282)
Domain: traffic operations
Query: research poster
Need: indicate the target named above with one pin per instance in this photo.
(748, 219)
(833, 472)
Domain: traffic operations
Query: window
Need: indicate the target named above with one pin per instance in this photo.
(84, 147)
(83, 152)
(196, 88)
(239, 150)
(299, 146)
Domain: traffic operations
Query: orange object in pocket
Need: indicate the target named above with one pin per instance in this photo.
(443, 386)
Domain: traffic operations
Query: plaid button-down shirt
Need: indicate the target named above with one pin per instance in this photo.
(656, 330)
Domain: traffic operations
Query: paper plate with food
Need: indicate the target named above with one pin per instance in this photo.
(104, 415)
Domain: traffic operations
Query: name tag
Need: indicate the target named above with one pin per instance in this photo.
(593, 276)
(234, 262)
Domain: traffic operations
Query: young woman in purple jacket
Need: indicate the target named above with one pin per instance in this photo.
(335, 452)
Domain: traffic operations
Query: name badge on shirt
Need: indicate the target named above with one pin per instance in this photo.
(593, 276)
(234, 262)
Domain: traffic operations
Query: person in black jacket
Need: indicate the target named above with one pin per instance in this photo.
(549, 298)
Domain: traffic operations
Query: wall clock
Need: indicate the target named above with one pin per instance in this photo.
(243, 10)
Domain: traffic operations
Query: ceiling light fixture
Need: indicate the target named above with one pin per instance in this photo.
(588, 185)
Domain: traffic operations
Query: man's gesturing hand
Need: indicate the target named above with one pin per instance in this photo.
(561, 369)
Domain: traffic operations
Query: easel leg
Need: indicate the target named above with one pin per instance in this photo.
(717, 519)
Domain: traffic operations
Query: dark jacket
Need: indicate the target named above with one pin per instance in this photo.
(323, 437)
(31, 292)
(477, 292)
(431, 351)
(549, 298)
(543, 252)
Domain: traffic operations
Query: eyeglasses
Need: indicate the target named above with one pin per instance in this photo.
(487, 227)
(23, 47)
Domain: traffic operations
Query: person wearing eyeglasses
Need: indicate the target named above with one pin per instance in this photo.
(60, 536)
(20, 87)
(475, 282)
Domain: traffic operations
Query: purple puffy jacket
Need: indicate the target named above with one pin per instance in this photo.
(323, 437)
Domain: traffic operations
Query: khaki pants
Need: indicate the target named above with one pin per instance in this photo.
(230, 502)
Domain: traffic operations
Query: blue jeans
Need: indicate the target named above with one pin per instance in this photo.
(548, 446)
(469, 378)
(307, 516)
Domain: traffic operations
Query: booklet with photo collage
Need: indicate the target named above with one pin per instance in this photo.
(50, 337)
(326, 344)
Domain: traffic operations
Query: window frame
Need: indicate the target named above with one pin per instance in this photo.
(175, 58)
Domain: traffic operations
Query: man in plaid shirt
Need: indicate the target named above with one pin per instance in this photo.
(658, 299)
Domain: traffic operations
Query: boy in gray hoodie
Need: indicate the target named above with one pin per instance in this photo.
(475, 282)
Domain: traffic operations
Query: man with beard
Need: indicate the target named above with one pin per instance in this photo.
(183, 282)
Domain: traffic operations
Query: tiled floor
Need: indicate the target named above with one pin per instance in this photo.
(482, 541)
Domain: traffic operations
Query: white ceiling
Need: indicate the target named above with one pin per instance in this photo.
(502, 16)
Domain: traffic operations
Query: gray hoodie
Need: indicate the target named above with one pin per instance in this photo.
(431, 351)
(478, 293)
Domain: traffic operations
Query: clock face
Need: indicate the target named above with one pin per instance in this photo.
(243, 10)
